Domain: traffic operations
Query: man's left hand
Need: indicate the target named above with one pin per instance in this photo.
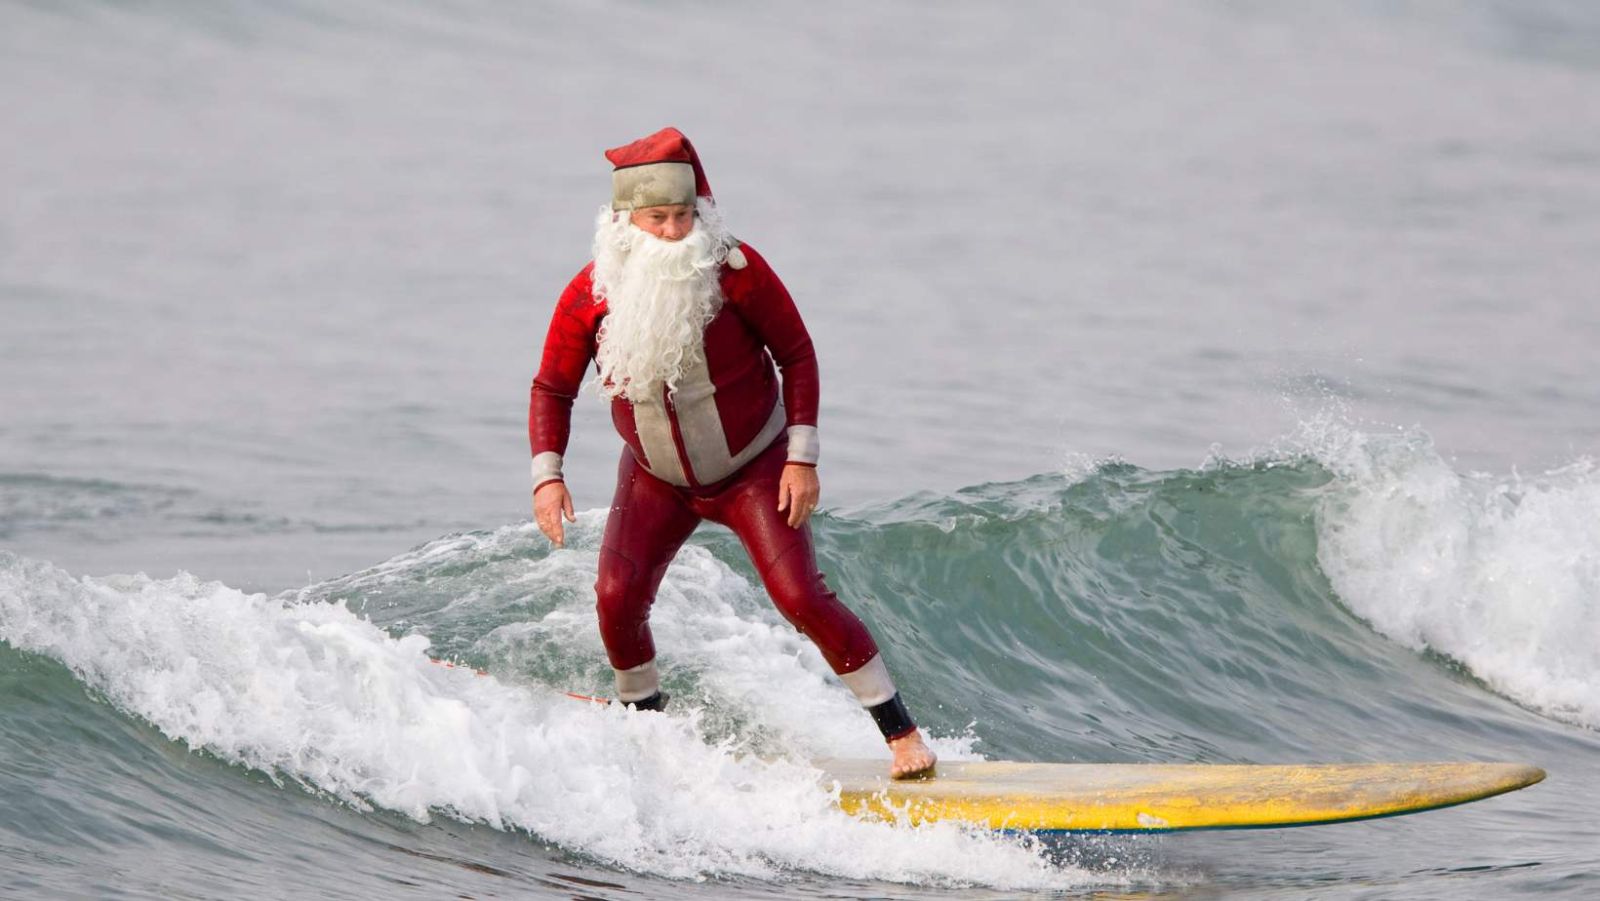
(798, 490)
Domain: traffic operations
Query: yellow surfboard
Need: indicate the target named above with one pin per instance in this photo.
(1086, 797)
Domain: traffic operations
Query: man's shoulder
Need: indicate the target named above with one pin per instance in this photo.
(577, 301)
(742, 257)
(580, 290)
(745, 272)
(584, 281)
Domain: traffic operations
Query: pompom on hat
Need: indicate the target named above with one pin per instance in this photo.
(655, 171)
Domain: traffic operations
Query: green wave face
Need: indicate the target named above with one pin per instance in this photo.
(1143, 616)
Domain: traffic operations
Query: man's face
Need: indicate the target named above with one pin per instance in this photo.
(669, 223)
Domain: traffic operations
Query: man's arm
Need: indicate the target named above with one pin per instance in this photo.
(766, 305)
(569, 345)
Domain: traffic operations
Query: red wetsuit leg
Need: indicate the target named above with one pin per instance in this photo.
(748, 504)
(649, 522)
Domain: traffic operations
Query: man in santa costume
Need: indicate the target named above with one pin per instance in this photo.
(685, 324)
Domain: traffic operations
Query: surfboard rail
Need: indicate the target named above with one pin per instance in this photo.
(1086, 797)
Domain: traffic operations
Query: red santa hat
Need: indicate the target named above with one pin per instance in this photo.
(656, 170)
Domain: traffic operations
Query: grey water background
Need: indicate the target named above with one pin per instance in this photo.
(273, 281)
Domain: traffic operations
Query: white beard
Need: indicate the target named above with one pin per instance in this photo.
(660, 296)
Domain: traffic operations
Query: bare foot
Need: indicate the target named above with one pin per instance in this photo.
(912, 758)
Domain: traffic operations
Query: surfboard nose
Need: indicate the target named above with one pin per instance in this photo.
(1520, 775)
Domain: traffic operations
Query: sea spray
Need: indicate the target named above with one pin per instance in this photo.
(1499, 573)
(313, 693)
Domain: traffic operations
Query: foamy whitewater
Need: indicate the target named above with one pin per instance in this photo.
(1499, 573)
(313, 693)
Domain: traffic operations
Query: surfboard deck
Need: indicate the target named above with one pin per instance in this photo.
(1088, 797)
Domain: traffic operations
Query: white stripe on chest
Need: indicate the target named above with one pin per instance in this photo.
(705, 442)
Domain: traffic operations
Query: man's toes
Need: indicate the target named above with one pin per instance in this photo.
(919, 765)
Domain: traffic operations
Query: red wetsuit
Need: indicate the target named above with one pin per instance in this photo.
(713, 450)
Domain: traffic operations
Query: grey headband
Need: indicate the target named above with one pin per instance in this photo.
(653, 184)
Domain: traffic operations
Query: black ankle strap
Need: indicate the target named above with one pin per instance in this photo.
(892, 719)
(657, 701)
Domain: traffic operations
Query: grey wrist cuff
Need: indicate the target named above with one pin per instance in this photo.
(546, 467)
(804, 447)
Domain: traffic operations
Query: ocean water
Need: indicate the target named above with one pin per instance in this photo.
(1203, 383)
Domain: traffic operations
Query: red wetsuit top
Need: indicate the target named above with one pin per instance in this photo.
(710, 450)
(726, 410)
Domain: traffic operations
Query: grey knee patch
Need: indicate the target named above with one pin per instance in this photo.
(637, 683)
(871, 683)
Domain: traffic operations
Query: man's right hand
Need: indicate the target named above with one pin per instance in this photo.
(551, 501)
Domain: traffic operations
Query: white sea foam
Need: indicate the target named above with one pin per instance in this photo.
(1078, 466)
(1499, 573)
(316, 694)
(709, 621)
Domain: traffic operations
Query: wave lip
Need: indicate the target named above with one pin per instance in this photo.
(1500, 574)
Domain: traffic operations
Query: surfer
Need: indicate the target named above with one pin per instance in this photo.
(685, 323)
